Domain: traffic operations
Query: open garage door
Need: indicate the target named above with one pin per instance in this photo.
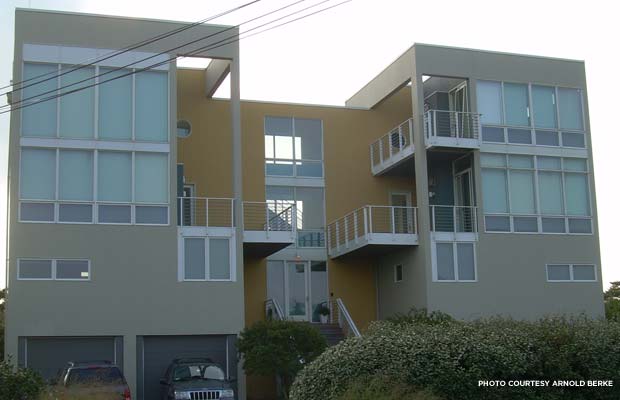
(156, 352)
(48, 355)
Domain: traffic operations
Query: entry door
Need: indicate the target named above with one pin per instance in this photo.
(403, 217)
(464, 195)
(297, 298)
(459, 102)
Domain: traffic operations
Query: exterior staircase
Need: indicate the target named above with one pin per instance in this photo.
(332, 332)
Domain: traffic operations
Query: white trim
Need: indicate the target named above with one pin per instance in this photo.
(90, 144)
(571, 266)
(455, 262)
(207, 239)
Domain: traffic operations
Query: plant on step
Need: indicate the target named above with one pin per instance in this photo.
(279, 348)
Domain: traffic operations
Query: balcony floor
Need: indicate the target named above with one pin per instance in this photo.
(375, 243)
(393, 162)
(262, 244)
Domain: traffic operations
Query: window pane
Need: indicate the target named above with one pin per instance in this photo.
(114, 176)
(279, 193)
(314, 238)
(580, 225)
(490, 102)
(309, 134)
(114, 214)
(219, 259)
(39, 119)
(515, 161)
(194, 260)
(318, 287)
(575, 164)
(519, 136)
(279, 168)
(310, 207)
(313, 169)
(577, 196)
(72, 269)
(35, 269)
(584, 273)
(269, 146)
(77, 110)
(151, 106)
(550, 193)
(283, 147)
(571, 139)
(75, 213)
(497, 224)
(547, 138)
(43, 212)
(522, 199)
(494, 191)
(275, 281)
(465, 261)
(570, 109)
(445, 262)
(516, 103)
(549, 163)
(490, 134)
(151, 215)
(279, 126)
(558, 272)
(115, 105)
(151, 178)
(553, 225)
(38, 174)
(543, 98)
(525, 224)
(75, 175)
(492, 160)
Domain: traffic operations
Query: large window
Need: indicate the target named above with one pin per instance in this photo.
(46, 269)
(454, 261)
(293, 147)
(207, 259)
(532, 194)
(58, 185)
(554, 117)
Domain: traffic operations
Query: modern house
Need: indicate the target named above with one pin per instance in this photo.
(149, 220)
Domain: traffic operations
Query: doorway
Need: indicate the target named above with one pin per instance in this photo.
(459, 103)
(464, 194)
(403, 213)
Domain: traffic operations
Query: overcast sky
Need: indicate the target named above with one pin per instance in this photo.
(326, 58)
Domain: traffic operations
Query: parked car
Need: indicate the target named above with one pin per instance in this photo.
(196, 379)
(100, 380)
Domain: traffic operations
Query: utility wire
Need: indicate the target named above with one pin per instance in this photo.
(110, 71)
(91, 62)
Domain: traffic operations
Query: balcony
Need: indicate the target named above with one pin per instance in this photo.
(455, 129)
(392, 149)
(268, 227)
(454, 223)
(372, 230)
(205, 216)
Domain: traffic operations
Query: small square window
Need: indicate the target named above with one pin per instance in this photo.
(497, 223)
(492, 134)
(37, 212)
(398, 273)
(34, 269)
(584, 273)
(77, 270)
(558, 272)
(547, 138)
(519, 136)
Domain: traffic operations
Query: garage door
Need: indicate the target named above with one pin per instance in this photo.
(156, 352)
(48, 355)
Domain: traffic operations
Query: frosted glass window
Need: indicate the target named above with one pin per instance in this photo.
(494, 190)
(575, 164)
(570, 109)
(515, 161)
(572, 139)
(497, 224)
(75, 213)
(580, 225)
(466, 261)
(38, 174)
(525, 224)
(549, 163)
(492, 160)
(547, 138)
(558, 272)
(114, 176)
(577, 200)
(522, 199)
(35, 269)
(490, 102)
(550, 193)
(113, 214)
(72, 270)
(151, 215)
(310, 207)
(194, 260)
(42, 212)
(279, 126)
(492, 134)
(445, 262)
(75, 175)
(151, 104)
(115, 99)
(519, 136)
(39, 119)
(275, 281)
(516, 104)
(543, 98)
(553, 225)
(219, 259)
(584, 273)
(151, 178)
(309, 134)
(77, 110)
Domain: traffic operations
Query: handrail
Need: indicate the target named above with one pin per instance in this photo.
(454, 124)
(206, 211)
(340, 315)
(386, 146)
(268, 216)
(450, 218)
(273, 310)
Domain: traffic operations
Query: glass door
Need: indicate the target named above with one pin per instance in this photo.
(403, 218)
(463, 196)
(459, 120)
(297, 291)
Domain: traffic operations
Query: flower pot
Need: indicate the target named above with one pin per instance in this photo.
(324, 318)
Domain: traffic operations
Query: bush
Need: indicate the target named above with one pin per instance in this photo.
(20, 384)
(449, 358)
(280, 348)
(384, 388)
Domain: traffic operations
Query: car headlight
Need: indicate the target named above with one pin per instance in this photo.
(181, 395)
(227, 394)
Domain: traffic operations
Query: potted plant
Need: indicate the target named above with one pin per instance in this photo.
(323, 312)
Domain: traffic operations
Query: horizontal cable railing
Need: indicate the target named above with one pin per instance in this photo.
(338, 314)
(451, 124)
(206, 212)
(454, 219)
(273, 311)
(392, 143)
(268, 216)
(368, 220)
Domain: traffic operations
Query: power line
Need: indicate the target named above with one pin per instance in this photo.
(91, 62)
(38, 95)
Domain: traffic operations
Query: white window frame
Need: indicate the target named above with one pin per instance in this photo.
(402, 275)
(455, 261)
(53, 266)
(570, 268)
(207, 239)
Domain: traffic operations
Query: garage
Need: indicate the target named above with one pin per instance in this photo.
(154, 354)
(48, 355)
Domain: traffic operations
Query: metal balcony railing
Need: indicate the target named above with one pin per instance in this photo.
(451, 124)
(454, 219)
(268, 216)
(207, 212)
(359, 224)
(338, 314)
(392, 144)
(273, 311)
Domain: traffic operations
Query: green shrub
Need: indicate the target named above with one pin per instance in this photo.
(449, 358)
(421, 316)
(383, 388)
(19, 384)
(280, 348)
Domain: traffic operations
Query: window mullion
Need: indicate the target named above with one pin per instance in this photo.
(455, 262)
(57, 101)
(207, 261)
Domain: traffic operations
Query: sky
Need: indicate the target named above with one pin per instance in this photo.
(326, 58)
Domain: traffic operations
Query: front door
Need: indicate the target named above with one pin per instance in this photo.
(297, 291)
(402, 212)
(459, 120)
(464, 196)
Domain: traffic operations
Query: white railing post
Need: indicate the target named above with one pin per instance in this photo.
(458, 134)
(400, 136)
(369, 219)
(329, 235)
(180, 205)
(415, 220)
(355, 226)
(232, 213)
(380, 151)
(267, 217)
(207, 212)
(365, 221)
(346, 233)
(390, 144)
(372, 155)
(434, 132)
(337, 236)
(410, 122)
(392, 208)
(455, 218)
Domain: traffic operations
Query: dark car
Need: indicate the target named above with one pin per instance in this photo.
(99, 380)
(195, 379)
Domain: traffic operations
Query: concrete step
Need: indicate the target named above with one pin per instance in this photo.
(332, 333)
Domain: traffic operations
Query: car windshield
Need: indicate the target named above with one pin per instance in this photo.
(95, 376)
(198, 371)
